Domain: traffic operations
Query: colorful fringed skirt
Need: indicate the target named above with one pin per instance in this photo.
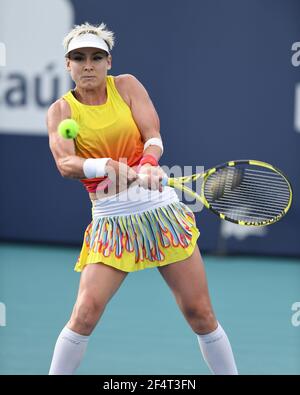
(137, 229)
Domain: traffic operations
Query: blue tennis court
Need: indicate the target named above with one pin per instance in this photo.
(142, 330)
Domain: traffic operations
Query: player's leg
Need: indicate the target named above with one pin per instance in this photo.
(187, 281)
(98, 283)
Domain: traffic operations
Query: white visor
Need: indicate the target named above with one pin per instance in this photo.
(87, 40)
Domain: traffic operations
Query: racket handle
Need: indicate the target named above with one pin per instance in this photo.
(164, 181)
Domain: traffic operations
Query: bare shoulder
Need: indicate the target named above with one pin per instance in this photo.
(129, 86)
(58, 111)
(60, 147)
(59, 107)
(125, 80)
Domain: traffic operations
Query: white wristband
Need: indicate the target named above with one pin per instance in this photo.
(94, 168)
(154, 141)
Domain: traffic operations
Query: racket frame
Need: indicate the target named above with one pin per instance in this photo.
(180, 181)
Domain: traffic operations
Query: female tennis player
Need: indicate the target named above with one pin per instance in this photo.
(136, 223)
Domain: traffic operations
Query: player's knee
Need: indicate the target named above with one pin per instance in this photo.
(201, 318)
(86, 314)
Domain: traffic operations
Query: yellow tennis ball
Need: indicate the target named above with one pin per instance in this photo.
(68, 128)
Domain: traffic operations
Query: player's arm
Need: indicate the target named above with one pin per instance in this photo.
(68, 163)
(142, 109)
(63, 150)
(147, 121)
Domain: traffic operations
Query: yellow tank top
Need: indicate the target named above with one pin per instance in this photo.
(106, 131)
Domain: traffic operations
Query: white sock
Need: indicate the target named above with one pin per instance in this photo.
(68, 352)
(217, 352)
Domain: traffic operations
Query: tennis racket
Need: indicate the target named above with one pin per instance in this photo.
(246, 192)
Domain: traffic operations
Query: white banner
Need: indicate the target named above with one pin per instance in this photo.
(34, 73)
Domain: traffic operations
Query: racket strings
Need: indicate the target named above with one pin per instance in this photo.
(260, 194)
(247, 194)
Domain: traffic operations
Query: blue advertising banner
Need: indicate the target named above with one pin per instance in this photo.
(224, 78)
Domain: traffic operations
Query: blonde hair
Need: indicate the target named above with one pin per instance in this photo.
(100, 31)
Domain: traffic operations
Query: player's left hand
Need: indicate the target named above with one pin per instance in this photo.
(151, 177)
